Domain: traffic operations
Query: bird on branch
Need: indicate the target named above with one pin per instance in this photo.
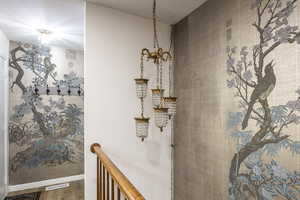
(261, 91)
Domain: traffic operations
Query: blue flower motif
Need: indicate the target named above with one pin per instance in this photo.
(235, 118)
(231, 83)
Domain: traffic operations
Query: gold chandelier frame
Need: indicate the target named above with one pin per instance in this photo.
(164, 107)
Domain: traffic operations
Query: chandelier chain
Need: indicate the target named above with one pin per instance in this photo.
(142, 66)
(164, 108)
(172, 61)
(170, 77)
(157, 76)
(160, 75)
(161, 82)
(155, 36)
(142, 107)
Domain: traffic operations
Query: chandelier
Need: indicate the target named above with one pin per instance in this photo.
(164, 107)
(44, 36)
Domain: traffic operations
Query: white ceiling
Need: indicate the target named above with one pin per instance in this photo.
(168, 11)
(20, 19)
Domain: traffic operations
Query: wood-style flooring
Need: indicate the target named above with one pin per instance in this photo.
(74, 192)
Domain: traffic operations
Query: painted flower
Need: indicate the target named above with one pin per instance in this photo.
(279, 171)
(256, 170)
(230, 83)
(248, 75)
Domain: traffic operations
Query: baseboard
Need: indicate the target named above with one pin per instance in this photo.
(34, 185)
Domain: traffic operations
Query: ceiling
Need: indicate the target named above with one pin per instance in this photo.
(168, 11)
(20, 19)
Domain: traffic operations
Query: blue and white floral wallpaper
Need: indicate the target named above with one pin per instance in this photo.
(237, 76)
(255, 171)
(46, 113)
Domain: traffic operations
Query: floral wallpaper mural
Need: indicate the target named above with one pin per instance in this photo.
(46, 113)
(255, 172)
(237, 78)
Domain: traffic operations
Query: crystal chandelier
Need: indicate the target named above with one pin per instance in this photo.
(44, 36)
(164, 107)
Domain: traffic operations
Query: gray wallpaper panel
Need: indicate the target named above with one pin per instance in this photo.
(45, 128)
(237, 78)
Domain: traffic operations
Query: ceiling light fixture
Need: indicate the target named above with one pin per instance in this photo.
(44, 36)
(164, 107)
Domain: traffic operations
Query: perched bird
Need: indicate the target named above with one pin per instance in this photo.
(262, 90)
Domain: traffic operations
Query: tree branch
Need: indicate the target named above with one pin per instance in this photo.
(287, 122)
(274, 140)
(267, 4)
(15, 65)
(273, 15)
(278, 43)
(241, 78)
(240, 94)
(233, 70)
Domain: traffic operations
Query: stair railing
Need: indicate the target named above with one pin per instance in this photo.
(112, 184)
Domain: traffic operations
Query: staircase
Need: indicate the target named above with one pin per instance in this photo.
(112, 184)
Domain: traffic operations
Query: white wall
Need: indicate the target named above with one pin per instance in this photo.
(113, 43)
(4, 44)
(4, 48)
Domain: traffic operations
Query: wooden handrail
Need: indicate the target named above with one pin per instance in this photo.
(123, 184)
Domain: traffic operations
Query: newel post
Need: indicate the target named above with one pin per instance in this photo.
(93, 146)
(99, 174)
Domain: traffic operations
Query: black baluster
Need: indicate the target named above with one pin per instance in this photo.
(47, 90)
(36, 90)
(107, 182)
(119, 194)
(69, 90)
(79, 91)
(58, 90)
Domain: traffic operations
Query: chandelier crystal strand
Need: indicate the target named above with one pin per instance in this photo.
(170, 63)
(142, 107)
(142, 65)
(156, 97)
(171, 101)
(161, 113)
(142, 123)
(158, 76)
(141, 83)
(161, 83)
(142, 126)
(161, 117)
(156, 93)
